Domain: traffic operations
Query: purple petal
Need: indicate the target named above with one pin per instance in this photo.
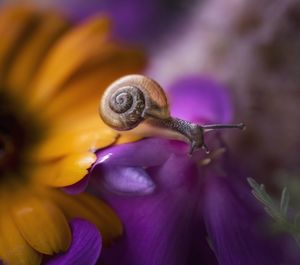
(78, 187)
(200, 100)
(159, 228)
(147, 152)
(127, 180)
(233, 227)
(85, 247)
(131, 168)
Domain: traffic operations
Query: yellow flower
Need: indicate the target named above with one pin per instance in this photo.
(52, 75)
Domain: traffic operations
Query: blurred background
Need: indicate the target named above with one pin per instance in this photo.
(251, 46)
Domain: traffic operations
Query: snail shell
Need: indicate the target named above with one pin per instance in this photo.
(131, 99)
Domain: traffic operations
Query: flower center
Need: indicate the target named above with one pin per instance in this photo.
(6, 153)
(19, 133)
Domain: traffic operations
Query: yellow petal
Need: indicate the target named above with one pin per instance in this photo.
(80, 46)
(128, 137)
(66, 171)
(73, 168)
(88, 117)
(75, 141)
(42, 224)
(30, 55)
(90, 208)
(88, 86)
(16, 23)
(14, 250)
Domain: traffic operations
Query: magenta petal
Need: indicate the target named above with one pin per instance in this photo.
(236, 231)
(200, 99)
(85, 247)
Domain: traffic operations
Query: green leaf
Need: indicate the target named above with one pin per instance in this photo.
(260, 193)
(279, 213)
(284, 202)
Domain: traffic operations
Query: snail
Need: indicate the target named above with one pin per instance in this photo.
(136, 99)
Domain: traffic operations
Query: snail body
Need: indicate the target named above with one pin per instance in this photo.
(130, 100)
(135, 99)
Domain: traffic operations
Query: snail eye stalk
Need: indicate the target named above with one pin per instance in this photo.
(240, 126)
(135, 99)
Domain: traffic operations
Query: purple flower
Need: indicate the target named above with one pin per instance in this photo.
(178, 209)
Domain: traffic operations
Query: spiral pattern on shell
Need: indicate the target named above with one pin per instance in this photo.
(131, 99)
(129, 103)
(127, 99)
